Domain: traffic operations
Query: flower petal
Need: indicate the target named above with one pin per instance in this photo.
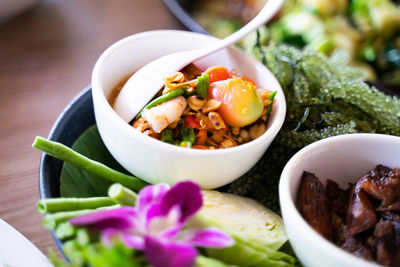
(133, 241)
(210, 237)
(119, 218)
(186, 195)
(107, 235)
(166, 226)
(164, 253)
(150, 195)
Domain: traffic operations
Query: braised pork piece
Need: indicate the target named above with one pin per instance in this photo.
(363, 219)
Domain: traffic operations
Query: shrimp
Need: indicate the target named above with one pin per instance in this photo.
(159, 117)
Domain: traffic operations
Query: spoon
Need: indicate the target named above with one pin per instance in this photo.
(133, 96)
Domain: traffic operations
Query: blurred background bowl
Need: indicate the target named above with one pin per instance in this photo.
(325, 25)
(343, 159)
(10, 8)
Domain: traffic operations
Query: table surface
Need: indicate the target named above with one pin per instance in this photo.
(46, 58)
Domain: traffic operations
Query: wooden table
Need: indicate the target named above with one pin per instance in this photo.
(46, 58)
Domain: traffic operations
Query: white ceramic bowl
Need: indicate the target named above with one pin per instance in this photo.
(342, 159)
(156, 161)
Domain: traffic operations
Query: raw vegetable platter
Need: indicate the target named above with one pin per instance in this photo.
(343, 105)
(325, 97)
(76, 128)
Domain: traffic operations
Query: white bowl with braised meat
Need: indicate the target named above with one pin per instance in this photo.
(210, 123)
(340, 201)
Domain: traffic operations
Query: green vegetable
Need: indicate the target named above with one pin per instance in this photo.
(97, 255)
(52, 221)
(187, 144)
(258, 232)
(71, 251)
(161, 99)
(202, 261)
(117, 256)
(64, 153)
(167, 136)
(65, 230)
(271, 97)
(337, 101)
(86, 236)
(187, 134)
(202, 85)
(50, 205)
(56, 261)
(303, 119)
(122, 195)
(77, 182)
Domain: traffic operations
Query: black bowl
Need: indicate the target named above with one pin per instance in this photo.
(182, 10)
(71, 123)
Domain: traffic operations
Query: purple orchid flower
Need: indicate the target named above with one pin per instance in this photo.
(155, 225)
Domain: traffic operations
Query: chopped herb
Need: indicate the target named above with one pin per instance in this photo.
(187, 134)
(167, 136)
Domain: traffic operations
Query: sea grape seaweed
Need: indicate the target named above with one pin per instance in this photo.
(337, 100)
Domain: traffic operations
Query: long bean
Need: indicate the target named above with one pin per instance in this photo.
(86, 236)
(52, 221)
(65, 230)
(51, 205)
(71, 249)
(122, 195)
(65, 153)
(161, 99)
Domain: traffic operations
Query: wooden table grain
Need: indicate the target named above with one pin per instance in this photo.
(46, 57)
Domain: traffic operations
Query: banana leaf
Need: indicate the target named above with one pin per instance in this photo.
(75, 182)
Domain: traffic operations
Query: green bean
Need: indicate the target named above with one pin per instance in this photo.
(52, 221)
(71, 249)
(51, 205)
(65, 153)
(161, 99)
(86, 236)
(271, 97)
(202, 85)
(122, 195)
(65, 230)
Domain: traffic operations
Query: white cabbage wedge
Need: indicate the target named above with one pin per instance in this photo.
(258, 232)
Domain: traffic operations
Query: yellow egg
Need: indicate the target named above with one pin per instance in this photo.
(241, 104)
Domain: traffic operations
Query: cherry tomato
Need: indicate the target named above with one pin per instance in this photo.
(218, 74)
